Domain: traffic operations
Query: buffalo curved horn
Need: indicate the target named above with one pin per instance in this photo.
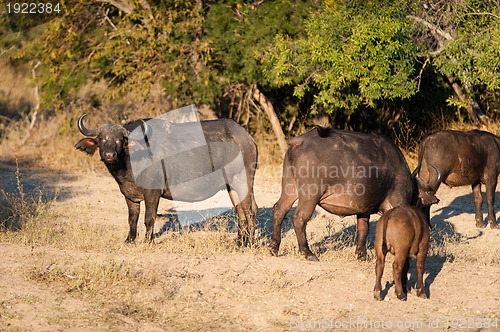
(430, 186)
(147, 130)
(83, 130)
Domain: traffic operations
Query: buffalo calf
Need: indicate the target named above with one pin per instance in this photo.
(402, 231)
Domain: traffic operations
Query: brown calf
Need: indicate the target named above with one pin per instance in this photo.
(402, 231)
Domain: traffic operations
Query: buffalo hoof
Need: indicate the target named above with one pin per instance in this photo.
(421, 293)
(361, 255)
(378, 295)
(129, 241)
(480, 224)
(401, 296)
(273, 247)
(494, 225)
(273, 251)
(312, 258)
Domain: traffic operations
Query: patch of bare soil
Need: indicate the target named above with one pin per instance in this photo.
(242, 289)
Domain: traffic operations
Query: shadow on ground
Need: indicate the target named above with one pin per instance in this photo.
(225, 221)
(22, 188)
(463, 204)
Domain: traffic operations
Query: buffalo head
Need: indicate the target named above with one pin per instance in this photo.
(113, 141)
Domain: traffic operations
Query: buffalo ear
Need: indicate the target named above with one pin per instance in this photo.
(427, 198)
(88, 145)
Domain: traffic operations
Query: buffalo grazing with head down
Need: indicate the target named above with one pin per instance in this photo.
(174, 170)
(462, 158)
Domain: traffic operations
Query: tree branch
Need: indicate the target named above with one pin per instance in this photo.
(37, 105)
(490, 14)
(123, 5)
(434, 28)
(271, 114)
(419, 77)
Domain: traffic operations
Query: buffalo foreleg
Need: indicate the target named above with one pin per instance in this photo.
(491, 185)
(134, 209)
(151, 201)
(478, 201)
(362, 230)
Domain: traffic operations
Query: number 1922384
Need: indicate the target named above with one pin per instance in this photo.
(32, 8)
(471, 323)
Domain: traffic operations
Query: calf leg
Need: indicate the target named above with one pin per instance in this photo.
(134, 209)
(300, 217)
(151, 200)
(404, 275)
(362, 230)
(398, 267)
(280, 209)
(379, 271)
(491, 185)
(478, 201)
(420, 264)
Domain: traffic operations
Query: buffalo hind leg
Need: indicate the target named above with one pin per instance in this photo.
(151, 201)
(420, 266)
(400, 273)
(478, 201)
(280, 209)
(491, 185)
(379, 271)
(134, 209)
(404, 276)
(243, 231)
(250, 211)
(362, 230)
(300, 217)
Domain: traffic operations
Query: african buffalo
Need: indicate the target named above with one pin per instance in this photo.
(346, 173)
(402, 231)
(225, 141)
(463, 158)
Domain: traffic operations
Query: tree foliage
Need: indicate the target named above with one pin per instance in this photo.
(352, 55)
(376, 59)
(358, 53)
(131, 52)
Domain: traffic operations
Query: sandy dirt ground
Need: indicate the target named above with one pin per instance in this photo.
(245, 289)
